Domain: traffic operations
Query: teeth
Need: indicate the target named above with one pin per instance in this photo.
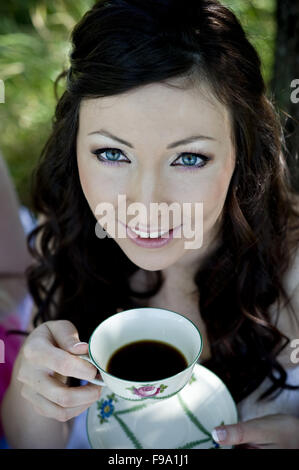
(148, 235)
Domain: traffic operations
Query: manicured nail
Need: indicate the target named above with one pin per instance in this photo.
(79, 344)
(219, 434)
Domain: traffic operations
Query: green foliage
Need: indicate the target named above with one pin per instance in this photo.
(34, 47)
(258, 20)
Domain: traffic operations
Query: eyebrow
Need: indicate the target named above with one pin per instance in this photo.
(170, 146)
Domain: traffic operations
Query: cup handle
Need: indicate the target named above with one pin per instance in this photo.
(94, 381)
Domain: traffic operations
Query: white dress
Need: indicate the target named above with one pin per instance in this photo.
(286, 403)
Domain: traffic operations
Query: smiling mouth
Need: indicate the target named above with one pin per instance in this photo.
(143, 234)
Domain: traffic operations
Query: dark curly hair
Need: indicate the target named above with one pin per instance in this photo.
(117, 46)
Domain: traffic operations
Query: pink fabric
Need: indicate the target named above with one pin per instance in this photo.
(12, 345)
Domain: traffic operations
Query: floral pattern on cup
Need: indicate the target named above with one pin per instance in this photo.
(147, 390)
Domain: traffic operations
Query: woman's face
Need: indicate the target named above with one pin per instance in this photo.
(148, 168)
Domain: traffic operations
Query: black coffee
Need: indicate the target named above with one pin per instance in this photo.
(146, 361)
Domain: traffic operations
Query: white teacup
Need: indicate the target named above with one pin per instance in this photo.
(144, 324)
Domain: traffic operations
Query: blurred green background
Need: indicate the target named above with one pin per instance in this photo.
(34, 47)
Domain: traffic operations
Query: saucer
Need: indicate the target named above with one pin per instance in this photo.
(183, 421)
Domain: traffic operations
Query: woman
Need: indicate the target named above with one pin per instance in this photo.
(163, 103)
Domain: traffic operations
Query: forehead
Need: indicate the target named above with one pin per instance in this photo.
(157, 110)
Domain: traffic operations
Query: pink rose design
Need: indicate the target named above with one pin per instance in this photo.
(146, 391)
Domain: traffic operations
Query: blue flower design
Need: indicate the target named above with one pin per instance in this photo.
(106, 409)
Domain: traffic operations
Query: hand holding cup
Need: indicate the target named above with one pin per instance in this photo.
(49, 356)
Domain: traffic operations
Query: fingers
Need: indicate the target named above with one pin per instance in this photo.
(65, 334)
(56, 391)
(237, 434)
(276, 431)
(49, 357)
(258, 431)
(41, 352)
(46, 408)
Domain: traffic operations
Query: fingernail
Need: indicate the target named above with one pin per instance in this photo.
(79, 344)
(219, 434)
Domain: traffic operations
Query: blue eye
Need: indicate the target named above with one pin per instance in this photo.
(189, 158)
(112, 159)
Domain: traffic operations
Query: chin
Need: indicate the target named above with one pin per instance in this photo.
(152, 262)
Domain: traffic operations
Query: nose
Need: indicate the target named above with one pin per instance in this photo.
(146, 190)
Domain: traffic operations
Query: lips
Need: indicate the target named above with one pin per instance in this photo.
(154, 234)
(150, 241)
(146, 234)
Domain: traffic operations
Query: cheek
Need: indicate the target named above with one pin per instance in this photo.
(211, 190)
(216, 193)
(96, 186)
(215, 198)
